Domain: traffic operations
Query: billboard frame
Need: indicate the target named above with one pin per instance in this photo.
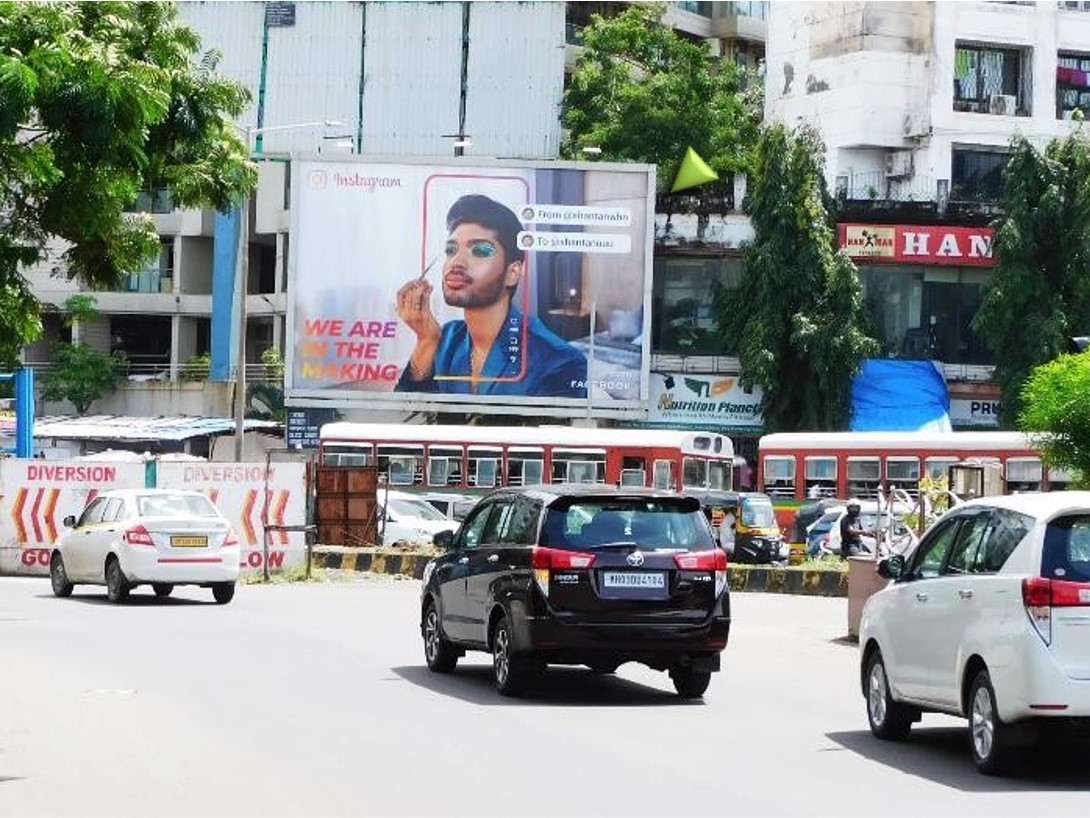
(631, 409)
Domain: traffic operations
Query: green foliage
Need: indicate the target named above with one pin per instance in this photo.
(642, 93)
(1039, 293)
(265, 401)
(98, 102)
(797, 320)
(1056, 414)
(80, 307)
(196, 367)
(81, 375)
(273, 363)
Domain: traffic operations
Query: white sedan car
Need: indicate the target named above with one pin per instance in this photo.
(157, 537)
(988, 619)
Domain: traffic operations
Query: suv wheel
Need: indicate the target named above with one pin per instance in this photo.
(689, 683)
(510, 672)
(989, 736)
(888, 719)
(441, 656)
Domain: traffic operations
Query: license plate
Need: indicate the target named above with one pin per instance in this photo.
(189, 542)
(633, 579)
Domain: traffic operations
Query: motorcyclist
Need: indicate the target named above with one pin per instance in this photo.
(851, 532)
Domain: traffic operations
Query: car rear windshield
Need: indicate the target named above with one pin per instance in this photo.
(647, 524)
(1067, 549)
(174, 505)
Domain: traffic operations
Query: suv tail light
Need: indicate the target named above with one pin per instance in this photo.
(138, 535)
(547, 560)
(714, 560)
(1041, 594)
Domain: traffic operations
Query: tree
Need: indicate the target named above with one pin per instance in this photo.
(642, 93)
(796, 320)
(1039, 293)
(98, 103)
(81, 374)
(1056, 414)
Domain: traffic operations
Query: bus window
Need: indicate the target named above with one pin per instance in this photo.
(484, 466)
(1023, 474)
(863, 476)
(820, 477)
(633, 477)
(579, 466)
(361, 455)
(694, 473)
(664, 475)
(719, 475)
(1058, 479)
(444, 466)
(779, 475)
(938, 468)
(525, 466)
(903, 473)
(404, 465)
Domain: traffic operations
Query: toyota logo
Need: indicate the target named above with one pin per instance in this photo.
(635, 559)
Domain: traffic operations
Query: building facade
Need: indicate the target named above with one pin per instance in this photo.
(917, 103)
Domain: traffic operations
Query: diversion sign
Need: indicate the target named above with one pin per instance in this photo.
(500, 287)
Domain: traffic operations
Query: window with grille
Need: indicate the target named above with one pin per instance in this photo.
(779, 476)
(821, 474)
(1024, 474)
(984, 75)
(863, 476)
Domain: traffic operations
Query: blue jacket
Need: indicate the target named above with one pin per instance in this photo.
(554, 368)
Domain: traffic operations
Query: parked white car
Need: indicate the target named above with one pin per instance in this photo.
(406, 517)
(157, 537)
(989, 619)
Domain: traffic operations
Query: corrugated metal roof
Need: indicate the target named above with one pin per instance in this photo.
(123, 427)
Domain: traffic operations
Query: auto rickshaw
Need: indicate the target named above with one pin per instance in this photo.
(745, 525)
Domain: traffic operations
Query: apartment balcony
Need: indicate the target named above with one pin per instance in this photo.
(878, 196)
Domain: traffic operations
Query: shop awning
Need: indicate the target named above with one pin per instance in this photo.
(124, 427)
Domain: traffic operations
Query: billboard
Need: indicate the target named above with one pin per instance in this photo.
(502, 287)
(687, 399)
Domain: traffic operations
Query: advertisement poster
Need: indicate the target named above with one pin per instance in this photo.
(486, 286)
(687, 399)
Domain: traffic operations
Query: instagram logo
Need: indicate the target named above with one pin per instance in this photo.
(318, 179)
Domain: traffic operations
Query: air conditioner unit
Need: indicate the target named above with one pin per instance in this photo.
(899, 164)
(1002, 104)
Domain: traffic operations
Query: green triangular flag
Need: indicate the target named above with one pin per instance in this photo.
(693, 171)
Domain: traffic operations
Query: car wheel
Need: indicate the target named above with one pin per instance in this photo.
(689, 683)
(162, 589)
(989, 736)
(440, 654)
(117, 587)
(59, 577)
(510, 672)
(223, 592)
(889, 720)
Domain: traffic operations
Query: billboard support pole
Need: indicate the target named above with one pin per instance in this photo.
(590, 358)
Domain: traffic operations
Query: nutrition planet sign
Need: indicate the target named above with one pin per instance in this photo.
(690, 399)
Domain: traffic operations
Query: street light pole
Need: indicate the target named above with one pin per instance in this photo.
(242, 274)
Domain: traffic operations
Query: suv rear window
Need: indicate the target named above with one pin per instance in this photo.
(1067, 549)
(648, 524)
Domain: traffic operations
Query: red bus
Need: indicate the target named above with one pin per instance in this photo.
(477, 458)
(794, 467)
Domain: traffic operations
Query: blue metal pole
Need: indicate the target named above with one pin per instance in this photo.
(24, 412)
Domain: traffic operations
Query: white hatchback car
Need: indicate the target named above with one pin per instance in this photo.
(989, 619)
(157, 537)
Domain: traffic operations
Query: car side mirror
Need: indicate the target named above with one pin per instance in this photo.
(891, 567)
(69, 521)
(443, 539)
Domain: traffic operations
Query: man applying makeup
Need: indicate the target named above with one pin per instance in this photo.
(495, 349)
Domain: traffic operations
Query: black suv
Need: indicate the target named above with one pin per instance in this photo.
(579, 575)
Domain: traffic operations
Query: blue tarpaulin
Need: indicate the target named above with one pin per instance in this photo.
(893, 396)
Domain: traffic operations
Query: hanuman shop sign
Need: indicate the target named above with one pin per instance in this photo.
(920, 244)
